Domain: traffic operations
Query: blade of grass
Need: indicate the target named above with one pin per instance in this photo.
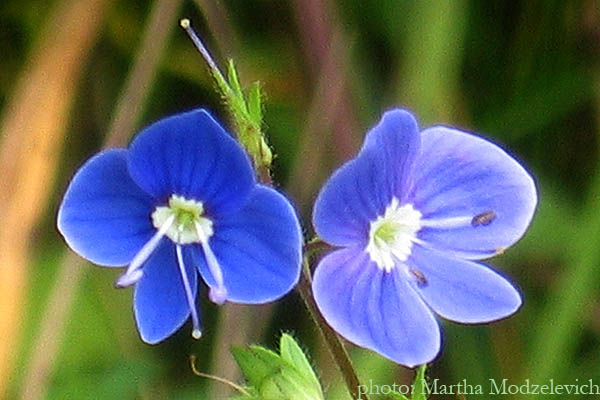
(33, 127)
(560, 324)
(160, 23)
(429, 78)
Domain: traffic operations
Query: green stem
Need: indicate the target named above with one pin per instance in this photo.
(334, 343)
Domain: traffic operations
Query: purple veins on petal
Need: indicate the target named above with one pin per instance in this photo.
(258, 249)
(104, 214)
(160, 302)
(182, 199)
(192, 156)
(461, 175)
(361, 189)
(462, 290)
(375, 309)
(410, 212)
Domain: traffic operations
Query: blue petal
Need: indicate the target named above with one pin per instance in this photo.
(258, 248)
(463, 291)
(461, 175)
(374, 309)
(362, 189)
(105, 216)
(191, 155)
(159, 300)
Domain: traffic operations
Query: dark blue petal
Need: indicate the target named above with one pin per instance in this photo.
(105, 216)
(159, 300)
(258, 248)
(191, 155)
(463, 291)
(461, 175)
(374, 309)
(362, 189)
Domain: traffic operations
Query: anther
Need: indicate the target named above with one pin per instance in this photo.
(419, 275)
(485, 218)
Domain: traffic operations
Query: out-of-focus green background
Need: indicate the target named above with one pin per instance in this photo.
(75, 73)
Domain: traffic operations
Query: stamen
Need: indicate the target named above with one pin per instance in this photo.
(134, 273)
(196, 332)
(217, 294)
(484, 218)
(419, 275)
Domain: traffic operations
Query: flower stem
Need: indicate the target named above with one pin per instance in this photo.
(333, 341)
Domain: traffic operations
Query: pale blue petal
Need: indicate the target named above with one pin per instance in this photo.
(461, 290)
(461, 175)
(361, 189)
(104, 215)
(259, 249)
(159, 300)
(374, 309)
(192, 156)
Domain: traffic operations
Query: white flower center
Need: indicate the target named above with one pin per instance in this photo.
(187, 215)
(392, 234)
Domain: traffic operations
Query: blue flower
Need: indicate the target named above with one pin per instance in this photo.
(182, 200)
(411, 212)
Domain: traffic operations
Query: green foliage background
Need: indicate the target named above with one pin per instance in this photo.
(525, 74)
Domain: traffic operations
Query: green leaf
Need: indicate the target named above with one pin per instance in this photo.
(279, 377)
(257, 364)
(399, 396)
(292, 353)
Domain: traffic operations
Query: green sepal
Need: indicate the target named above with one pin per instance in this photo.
(255, 103)
(292, 353)
(232, 77)
(278, 377)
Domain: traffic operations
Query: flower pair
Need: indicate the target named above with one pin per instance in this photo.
(410, 214)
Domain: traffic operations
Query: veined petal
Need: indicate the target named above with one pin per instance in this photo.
(258, 249)
(361, 189)
(460, 176)
(396, 138)
(159, 300)
(191, 155)
(105, 216)
(375, 309)
(461, 290)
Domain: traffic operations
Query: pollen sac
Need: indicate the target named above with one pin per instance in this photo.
(485, 218)
(419, 275)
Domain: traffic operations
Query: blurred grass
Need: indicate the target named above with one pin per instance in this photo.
(523, 73)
